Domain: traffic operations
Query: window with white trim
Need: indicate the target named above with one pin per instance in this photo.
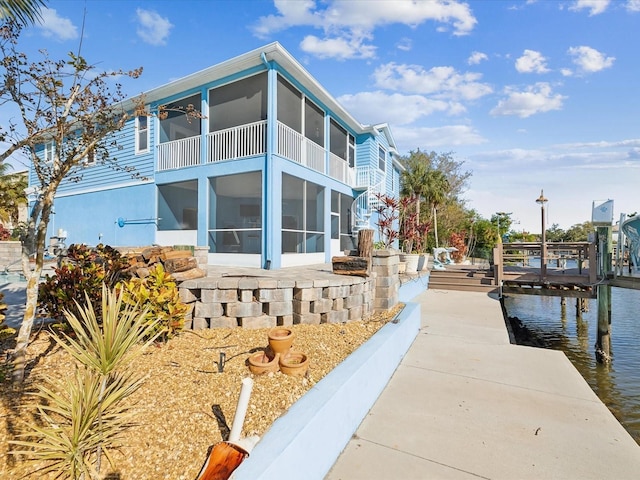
(382, 158)
(142, 134)
(49, 151)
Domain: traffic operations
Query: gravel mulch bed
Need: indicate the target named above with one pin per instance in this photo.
(186, 405)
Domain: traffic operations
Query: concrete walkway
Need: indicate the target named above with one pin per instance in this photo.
(465, 403)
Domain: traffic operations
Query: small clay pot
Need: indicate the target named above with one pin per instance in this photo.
(260, 363)
(295, 364)
(280, 340)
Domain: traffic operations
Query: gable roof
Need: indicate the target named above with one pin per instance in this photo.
(256, 58)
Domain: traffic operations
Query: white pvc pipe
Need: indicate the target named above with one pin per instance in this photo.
(241, 409)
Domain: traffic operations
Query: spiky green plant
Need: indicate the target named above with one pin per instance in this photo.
(79, 418)
(86, 417)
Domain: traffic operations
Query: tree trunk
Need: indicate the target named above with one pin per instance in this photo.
(35, 240)
(22, 341)
(435, 225)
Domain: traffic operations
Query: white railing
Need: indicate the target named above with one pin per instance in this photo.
(340, 170)
(367, 202)
(315, 156)
(368, 177)
(237, 142)
(179, 153)
(296, 147)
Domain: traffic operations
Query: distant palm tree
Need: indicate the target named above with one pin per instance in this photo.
(436, 189)
(12, 195)
(21, 11)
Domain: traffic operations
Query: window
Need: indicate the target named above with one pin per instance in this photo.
(338, 140)
(178, 206)
(302, 216)
(49, 151)
(341, 220)
(142, 134)
(175, 125)
(352, 151)
(238, 103)
(289, 105)
(235, 213)
(382, 158)
(313, 123)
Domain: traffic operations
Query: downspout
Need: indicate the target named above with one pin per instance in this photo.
(267, 172)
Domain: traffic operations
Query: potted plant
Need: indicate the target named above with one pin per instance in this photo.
(410, 233)
(388, 214)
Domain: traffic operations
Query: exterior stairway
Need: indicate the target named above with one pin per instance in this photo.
(468, 278)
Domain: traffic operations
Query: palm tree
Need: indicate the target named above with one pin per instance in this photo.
(436, 190)
(21, 11)
(12, 195)
(414, 177)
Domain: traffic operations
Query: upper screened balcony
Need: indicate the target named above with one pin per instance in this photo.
(237, 128)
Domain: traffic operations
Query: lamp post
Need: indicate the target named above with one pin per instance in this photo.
(499, 215)
(543, 243)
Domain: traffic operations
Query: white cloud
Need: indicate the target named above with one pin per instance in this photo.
(595, 7)
(338, 48)
(429, 138)
(397, 109)
(443, 82)
(531, 62)
(53, 26)
(476, 57)
(349, 20)
(590, 60)
(633, 5)
(534, 99)
(406, 44)
(153, 29)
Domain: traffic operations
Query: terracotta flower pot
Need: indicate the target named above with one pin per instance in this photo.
(280, 339)
(295, 364)
(260, 363)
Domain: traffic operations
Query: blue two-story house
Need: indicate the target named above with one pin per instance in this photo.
(276, 173)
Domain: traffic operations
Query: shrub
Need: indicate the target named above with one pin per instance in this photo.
(158, 293)
(81, 275)
(84, 415)
(4, 233)
(458, 241)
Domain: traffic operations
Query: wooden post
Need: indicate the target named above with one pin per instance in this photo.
(603, 339)
(365, 246)
(593, 266)
(365, 243)
(497, 264)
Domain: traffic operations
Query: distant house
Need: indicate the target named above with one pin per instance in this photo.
(277, 174)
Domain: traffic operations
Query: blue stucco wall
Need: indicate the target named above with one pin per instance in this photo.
(87, 216)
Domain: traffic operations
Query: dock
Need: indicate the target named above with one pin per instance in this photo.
(465, 403)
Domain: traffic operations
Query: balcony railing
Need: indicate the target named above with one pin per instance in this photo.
(250, 140)
(298, 148)
(179, 153)
(237, 142)
(340, 169)
(368, 177)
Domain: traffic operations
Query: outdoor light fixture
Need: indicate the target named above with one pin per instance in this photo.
(543, 243)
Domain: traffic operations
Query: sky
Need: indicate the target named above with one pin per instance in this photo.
(531, 95)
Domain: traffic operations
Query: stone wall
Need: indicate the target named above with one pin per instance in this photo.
(268, 302)
(10, 253)
(264, 299)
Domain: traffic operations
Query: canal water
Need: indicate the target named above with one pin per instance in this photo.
(551, 325)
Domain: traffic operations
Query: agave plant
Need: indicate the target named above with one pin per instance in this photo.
(84, 415)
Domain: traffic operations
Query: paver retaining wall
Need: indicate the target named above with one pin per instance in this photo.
(10, 253)
(263, 301)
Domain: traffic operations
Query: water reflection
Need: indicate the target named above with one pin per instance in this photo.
(568, 328)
